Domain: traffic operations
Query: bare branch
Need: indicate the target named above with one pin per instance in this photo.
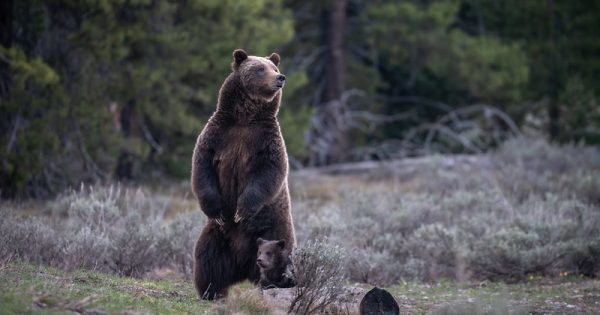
(149, 138)
(13, 134)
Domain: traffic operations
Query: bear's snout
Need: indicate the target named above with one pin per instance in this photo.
(280, 80)
(260, 263)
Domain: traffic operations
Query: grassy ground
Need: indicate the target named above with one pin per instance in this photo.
(29, 289)
(568, 295)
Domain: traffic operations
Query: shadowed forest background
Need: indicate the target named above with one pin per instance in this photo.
(100, 90)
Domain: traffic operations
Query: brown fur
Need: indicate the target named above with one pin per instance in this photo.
(273, 260)
(239, 171)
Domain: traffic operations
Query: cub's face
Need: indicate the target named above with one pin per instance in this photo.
(270, 253)
(259, 75)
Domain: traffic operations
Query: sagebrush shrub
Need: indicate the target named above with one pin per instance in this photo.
(109, 229)
(319, 276)
(179, 239)
(87, 249)
(529, 208)
(29, 239)
(440, 249)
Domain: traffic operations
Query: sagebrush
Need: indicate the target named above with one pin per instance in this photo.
(108, 229)
(318, 275)
(530, 208)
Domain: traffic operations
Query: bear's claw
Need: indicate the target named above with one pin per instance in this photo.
(237, 218)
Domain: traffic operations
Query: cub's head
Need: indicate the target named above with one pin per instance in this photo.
(260, 76)
(271, 254)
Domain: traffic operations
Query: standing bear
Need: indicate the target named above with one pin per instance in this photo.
(239, 175)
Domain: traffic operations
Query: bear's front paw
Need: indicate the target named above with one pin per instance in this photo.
(242, 214)
(211, 207)
(220, 220)
(213, 214)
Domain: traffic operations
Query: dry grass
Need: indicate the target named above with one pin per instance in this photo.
(239, 301)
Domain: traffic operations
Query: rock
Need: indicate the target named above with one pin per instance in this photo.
(379, 302)
(347, 301)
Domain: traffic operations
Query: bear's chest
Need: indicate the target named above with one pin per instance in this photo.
(234, 158)
(237, 147)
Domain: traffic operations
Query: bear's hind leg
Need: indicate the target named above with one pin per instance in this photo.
(213, 264)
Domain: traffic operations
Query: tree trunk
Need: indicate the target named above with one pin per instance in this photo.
(6, 11)
(6, 20)
(335, 74)
(328, 136)
(555, 84)
(124, 170)
(7, 187)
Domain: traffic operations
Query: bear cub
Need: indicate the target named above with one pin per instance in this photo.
(273, 260)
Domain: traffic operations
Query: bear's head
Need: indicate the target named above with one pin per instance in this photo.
(259, 76)
(271, 254)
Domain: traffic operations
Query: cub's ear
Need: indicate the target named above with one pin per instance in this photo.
(239, 55)
(281, 244)
(275, 58)
(259, 241)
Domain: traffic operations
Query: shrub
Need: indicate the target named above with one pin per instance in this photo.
(179, 239)
(541, 239)
(319, 277)
(530, 208)
(440, 249)
(29, 239)
(108, 229)
(87, 249)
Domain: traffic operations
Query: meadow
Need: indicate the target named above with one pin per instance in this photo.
(516, 231)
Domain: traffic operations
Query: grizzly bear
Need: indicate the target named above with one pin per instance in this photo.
(239, 175)
(273, 260)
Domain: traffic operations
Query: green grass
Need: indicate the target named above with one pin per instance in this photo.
(31, 289)
(566, 295)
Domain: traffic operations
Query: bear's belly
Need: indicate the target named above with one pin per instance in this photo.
(233, 163)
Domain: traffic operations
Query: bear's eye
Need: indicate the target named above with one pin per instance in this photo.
(261, 70)
(259, 253)
(269, 254)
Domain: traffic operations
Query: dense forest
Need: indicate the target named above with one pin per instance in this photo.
(119, 89)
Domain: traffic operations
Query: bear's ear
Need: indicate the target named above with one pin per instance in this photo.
(274, 57)
(259, 241)
(239, 55)
(281, 244)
